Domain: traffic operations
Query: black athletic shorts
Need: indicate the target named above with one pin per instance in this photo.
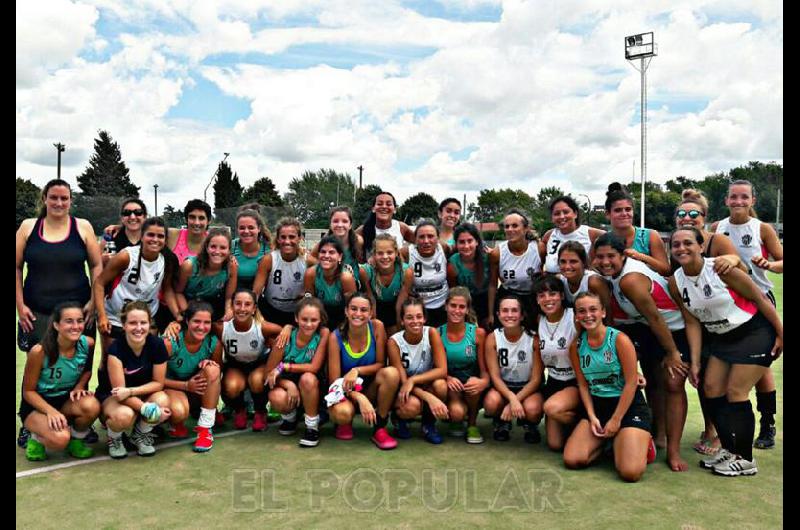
(386, 313)
(435, 317)
(750, 343)
(276, 316)
(56, 402)
(638, 414)
(648, 348)
(553, 386)
(245, 368)
(27, 340)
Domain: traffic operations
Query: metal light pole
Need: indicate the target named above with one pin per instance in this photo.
(155, 187)
(214, 176)
(360, 174)
(642, 47)
(60, 148)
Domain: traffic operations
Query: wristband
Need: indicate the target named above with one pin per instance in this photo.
(279, 368)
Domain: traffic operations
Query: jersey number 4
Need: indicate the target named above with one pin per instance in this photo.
(685, 296)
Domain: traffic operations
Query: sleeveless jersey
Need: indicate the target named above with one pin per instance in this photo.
(516, 272)
(285, 282)
(430, 276)
(349, 260)
(557, 237)
(394, 231)
(554, 342)
(747, 239)
(182, 250)
(182, 364)
(583, 287)
(641, 240)
(329, 295)
(136, 283)
(417, 358)
(62, 377)
(248, 265)
(462, 357)
(202, 286)
(515, 358)
(600, 366)
(390, 293)
(292, 353)
(351, 359)
(717, 306)
(466, 277)
(56, 269)
(659, 290)
(244, 346)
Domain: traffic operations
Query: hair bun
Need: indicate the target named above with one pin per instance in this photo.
(691, 194)
(614, 186)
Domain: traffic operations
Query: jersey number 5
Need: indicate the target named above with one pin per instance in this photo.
(404, 356)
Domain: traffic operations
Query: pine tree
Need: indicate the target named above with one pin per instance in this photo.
(107, 174)
(263, 192)
(227, 190)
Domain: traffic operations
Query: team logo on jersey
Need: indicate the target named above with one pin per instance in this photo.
(297, 276)
(137, 291)
(437, 267)
(608, 356)
(707, 291)
(521, 356)
(562, 343)
(80, 367)
(747, 239)
(469, 350)
(156, 276)
(253, 344)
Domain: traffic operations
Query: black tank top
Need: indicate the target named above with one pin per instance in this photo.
(56, 270)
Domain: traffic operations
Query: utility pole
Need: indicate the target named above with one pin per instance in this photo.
(155, 187)
(360, 174)
(60, 148)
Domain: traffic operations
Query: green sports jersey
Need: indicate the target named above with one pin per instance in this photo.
(330, 295)
(466, 277)
(296, 355)
(390, 293)
(62, 377)
(202, 286)
(248, 265)
(182, 364)
(462, 357)
(349, 259)
(641, 240)
(601, 366)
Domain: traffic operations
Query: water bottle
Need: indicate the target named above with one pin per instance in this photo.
(111, 247)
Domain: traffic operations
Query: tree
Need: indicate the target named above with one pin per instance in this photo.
(172, 217)
(28, 194)
(659, 205)
(107, 174)
(263, 192)
(365, 199)
(227, 190)
(418, 206)
(766, 179)
(493, 204)
(540, 218)
(313, 194)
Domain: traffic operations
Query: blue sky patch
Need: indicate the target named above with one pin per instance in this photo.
(463, 154)
(433, 9)
(406, 165)
(205, 102)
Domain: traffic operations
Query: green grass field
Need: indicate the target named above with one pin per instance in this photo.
(265, 478)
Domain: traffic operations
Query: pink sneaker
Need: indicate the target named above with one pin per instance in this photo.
(383, 440)
(344, 432)
(179, 431)
(651, 451)
(240, 419)
(260, 421)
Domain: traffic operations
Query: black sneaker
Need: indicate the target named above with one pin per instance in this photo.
(766, 438)
(502, 431)
(287, 428)
(310, 438)
(22, 437)
(91, 436)
(532, 435)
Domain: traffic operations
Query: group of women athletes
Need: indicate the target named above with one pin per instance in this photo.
(397, 324)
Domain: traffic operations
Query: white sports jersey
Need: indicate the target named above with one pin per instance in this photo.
(583, 287)
(243, 346)
(394, 231)
(136, 284)
(716, 305)
(516, 272)
(659, 290)
(430, 276)
(515, 358)
(747, 239)
(554, 341)
(581, 235)
(285, 282)
(417, 358)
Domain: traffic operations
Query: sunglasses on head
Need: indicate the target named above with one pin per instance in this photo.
(137, 212)
(693, 214)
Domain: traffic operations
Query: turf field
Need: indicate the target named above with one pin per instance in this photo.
(266, 479)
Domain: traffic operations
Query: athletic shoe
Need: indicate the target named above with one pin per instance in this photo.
(77, 448)
(219, 419)
(34, 451)
(382, 439)
(143, 442)
(179, 431)
(204, 441)
(91, 437)
(344, 432)
(722, 456)
(651, 451)
(532, 435)
(240, 419)
(274, 415)
(431, 434)
(324, 417)
(502, 431)
(260, 421)
(457, 429)
(766, 438)
(116, 448)
(287, 428)
(23, 437)
(401, 430)
(474, 435)
(310, 438)
(735, 466)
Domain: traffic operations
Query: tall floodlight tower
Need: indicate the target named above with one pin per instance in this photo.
(642, 47)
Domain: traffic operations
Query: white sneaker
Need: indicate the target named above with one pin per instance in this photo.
(736, 466)
(143, 442)
(723, 455)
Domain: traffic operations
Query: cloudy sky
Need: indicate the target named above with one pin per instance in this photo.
(446, 96)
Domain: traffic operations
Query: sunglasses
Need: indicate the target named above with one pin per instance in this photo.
(137, 212)
(693, 214)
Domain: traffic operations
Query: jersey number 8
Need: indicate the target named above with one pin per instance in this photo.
(502, 355)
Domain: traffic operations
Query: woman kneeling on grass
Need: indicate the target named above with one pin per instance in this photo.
(54, 392)
(292, 371)
(604, 361)
(356, 357)
(418, 355)
(133, 383)
(193, 374)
